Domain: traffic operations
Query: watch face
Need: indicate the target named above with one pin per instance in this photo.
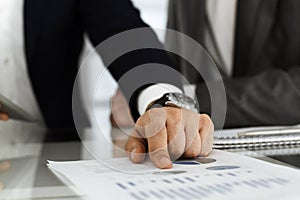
(182, 98)
(182, 101)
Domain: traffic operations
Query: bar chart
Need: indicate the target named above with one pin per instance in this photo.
(220, 176)
(229, 183)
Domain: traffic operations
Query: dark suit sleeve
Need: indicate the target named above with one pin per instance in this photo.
(105, 18)
(269, 98)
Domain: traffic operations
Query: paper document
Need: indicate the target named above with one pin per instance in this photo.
(222, 175)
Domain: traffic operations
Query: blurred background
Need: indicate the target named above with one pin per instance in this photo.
(154, 13)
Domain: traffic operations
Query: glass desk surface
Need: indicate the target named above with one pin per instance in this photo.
(24, 174)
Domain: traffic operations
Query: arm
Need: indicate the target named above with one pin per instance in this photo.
(269, 98)
(104, 19)
(166, 132)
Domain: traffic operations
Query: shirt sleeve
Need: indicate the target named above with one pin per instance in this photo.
(153, 93)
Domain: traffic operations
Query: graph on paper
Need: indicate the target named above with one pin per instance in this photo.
(220, 176)
(227, 183)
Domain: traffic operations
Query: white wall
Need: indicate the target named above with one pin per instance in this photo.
(153, 12)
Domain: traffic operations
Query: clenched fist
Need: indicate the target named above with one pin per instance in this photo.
(168, 133)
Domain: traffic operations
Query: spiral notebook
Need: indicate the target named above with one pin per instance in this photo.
(258, 138)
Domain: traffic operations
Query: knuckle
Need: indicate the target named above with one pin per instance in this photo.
(175, 151)
(205, 152)
(143, 120)
(139, 120)
(191, 153)
(206, 149)
(205, 118)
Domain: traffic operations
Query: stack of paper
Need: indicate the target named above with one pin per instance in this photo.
(223, 176)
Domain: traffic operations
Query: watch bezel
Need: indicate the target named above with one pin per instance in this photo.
(178, 100)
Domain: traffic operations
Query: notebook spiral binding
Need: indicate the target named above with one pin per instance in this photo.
(258, 142)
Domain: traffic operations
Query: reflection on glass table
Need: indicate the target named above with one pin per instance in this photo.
(27, 177)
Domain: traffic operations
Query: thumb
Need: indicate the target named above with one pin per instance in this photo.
(135, 149)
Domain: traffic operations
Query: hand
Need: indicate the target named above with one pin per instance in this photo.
(168, 133)
(3, 116)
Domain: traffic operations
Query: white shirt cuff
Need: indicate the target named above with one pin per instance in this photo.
(190, 90)
(153, 93)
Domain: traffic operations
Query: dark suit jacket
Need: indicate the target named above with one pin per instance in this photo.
(265, 87)
(54, 37)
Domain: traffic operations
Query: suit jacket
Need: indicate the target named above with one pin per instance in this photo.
(54, 37)
(265, 87)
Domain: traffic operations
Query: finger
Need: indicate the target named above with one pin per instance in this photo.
(158, 150)
(135, 147)
(176, 139)
(193, 143)
(206, 130)
(154, 121)
(4, 117)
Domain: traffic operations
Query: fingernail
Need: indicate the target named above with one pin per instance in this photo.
(164, 161)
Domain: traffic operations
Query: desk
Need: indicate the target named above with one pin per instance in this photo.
(29, 178)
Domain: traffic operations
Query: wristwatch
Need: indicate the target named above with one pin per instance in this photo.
(177, 100)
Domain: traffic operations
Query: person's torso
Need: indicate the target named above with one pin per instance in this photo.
(266, 34)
